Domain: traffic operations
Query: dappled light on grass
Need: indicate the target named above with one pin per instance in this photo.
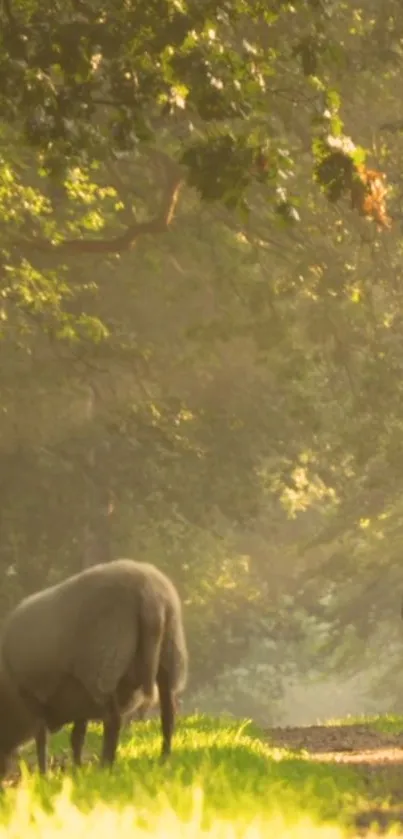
(225, 780)
(30, 820)
(248, 786)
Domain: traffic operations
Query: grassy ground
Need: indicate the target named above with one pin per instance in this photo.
(225, 780)
(387, 723)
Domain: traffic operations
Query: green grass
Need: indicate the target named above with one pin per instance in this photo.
(223, 781)
(388, 723)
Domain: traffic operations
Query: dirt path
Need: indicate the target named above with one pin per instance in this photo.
(343, 744)
(378, 757)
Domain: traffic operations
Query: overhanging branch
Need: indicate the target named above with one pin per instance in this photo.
(126, 240)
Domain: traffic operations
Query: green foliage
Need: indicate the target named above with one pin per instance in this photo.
(284, 646)
(223, 399)
(71, 69)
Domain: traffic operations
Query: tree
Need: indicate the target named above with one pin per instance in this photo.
(221, 397)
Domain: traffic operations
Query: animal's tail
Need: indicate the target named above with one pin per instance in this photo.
(151, 631)
(139, 705)
(174, 652)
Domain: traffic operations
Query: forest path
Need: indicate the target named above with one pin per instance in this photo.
(377, 756)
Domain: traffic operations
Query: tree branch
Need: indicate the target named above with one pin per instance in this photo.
(125, 241)
(8, 13)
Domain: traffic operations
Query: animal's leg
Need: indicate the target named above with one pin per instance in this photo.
(112, 723)
(41, 748)
(167, 711)
(77, 738)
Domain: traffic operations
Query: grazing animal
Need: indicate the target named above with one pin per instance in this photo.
(83, 649)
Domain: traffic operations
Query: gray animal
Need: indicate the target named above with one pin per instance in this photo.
(83, 649)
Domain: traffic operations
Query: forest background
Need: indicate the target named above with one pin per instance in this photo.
(201, 328)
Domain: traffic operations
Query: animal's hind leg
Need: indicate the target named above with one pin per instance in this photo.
(167, 711)
(77, 738)
(112, 723)
(41, 748)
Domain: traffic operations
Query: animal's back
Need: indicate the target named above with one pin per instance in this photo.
(86, 625)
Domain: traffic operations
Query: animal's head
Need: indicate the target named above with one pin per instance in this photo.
(17, 721)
